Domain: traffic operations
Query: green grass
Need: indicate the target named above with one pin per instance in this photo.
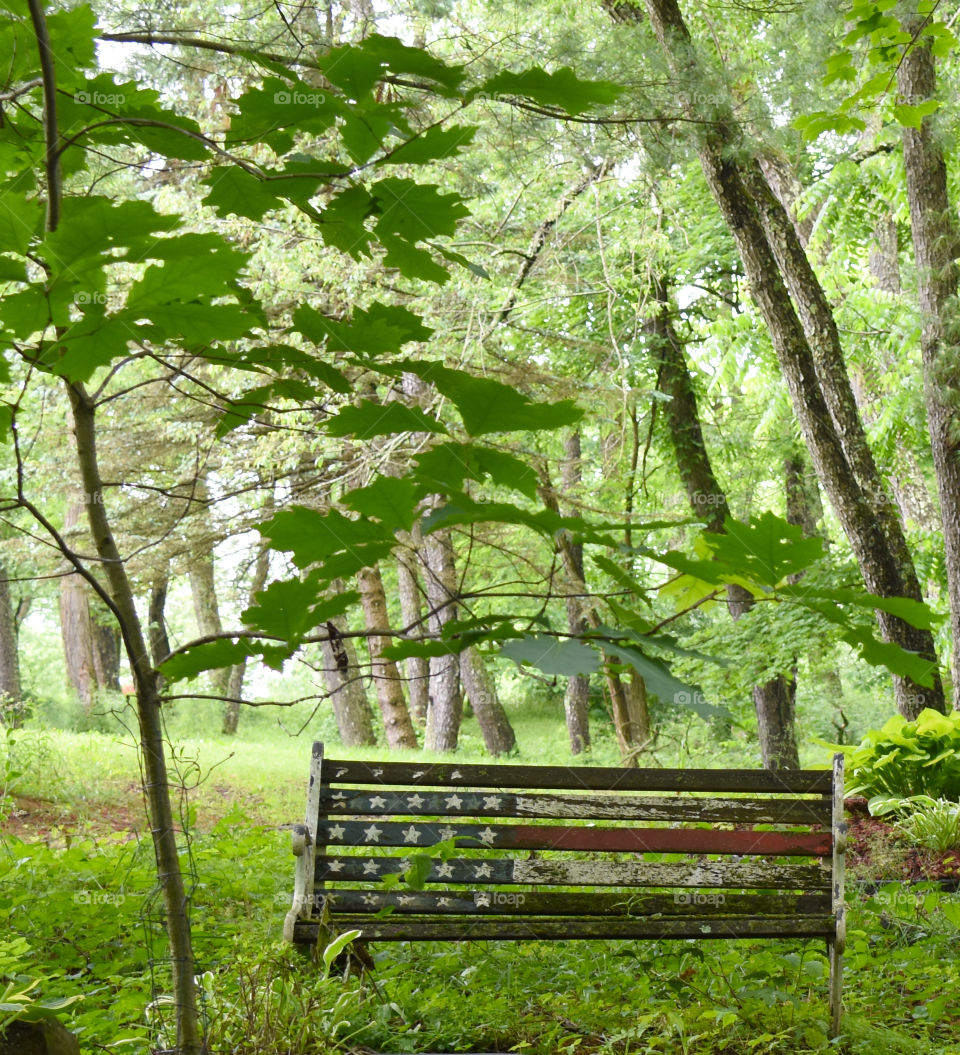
(85, 905)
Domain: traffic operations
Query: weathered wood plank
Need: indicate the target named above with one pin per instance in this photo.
(596, 903)
(563, 837)
(485, 929)
(486, 871)
(407, 802)
(448, 774)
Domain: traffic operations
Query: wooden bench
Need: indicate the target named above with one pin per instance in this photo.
(546, 852)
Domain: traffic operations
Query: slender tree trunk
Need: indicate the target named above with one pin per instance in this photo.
(157, 626)
(11, 702)
(640, 729)
(865, 523)
(156, 782)
(203, 588)
(576, 698)
(386, 677)
(773, 701)
(478, 683)
(76, 626)
(936, 242)
(446, 702)
(417, 668)
(106, 656)
(341, 674)
(261, 569)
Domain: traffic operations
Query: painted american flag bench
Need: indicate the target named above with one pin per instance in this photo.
(513, 852)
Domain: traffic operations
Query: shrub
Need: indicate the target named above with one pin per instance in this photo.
(905, 759)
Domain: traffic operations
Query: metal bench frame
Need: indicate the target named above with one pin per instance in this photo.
(770, 864)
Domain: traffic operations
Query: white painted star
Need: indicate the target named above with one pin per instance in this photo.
(483, 871)
(481, 900)
(372, 833)
(446, 833)
(456, 775)
(445, 869)
(370, 867)
(339, 795)
(415, 801)
(370, 899)
(412, 835)
(419, 773)
(487, 835)
(491, 802)
(454, 802)
(444, 901)
(340, 772)
(336, 831)
(378, 772)
(378, 802)
(404, 899)
(335, 866)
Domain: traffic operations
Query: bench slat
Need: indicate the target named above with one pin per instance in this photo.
(761, 875)
(561, 837)
(577, 778)
(534, 929)
(597, 903)
(406, 802)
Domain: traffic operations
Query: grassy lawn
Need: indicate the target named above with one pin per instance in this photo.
(78, 891)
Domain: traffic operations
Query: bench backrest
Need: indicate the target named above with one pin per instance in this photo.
(569, 852)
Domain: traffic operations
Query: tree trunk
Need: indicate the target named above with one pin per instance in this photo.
(936, 240)
(576, 698)
(498, 734)
(865, 523)
(640, 728)
(772, 700)
(106, 656)
(76, 626)
(417, 668)
(341, 674)
(156, 785)
(11, 702)
(445, 705)
(386, 677)
(206, 609)
(157, 626)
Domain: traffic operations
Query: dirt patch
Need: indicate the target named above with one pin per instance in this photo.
(876, 850)
(32, 818)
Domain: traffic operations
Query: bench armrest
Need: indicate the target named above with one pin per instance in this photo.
(303, 880)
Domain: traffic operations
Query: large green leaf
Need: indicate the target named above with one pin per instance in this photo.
(391, 500)
(488, 406)
(766, 550)
(374, 419)
(565, 657)
(563, 89)
(314, 537)
(448, 464)
(379, 329)
(225, 652)
(291, 608)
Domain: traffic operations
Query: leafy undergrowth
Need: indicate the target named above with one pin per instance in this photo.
(86, 908)
(876, 850)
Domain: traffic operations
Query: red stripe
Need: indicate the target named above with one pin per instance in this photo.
(675, 840)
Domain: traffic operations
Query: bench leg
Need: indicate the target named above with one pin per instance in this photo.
(835, 954)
